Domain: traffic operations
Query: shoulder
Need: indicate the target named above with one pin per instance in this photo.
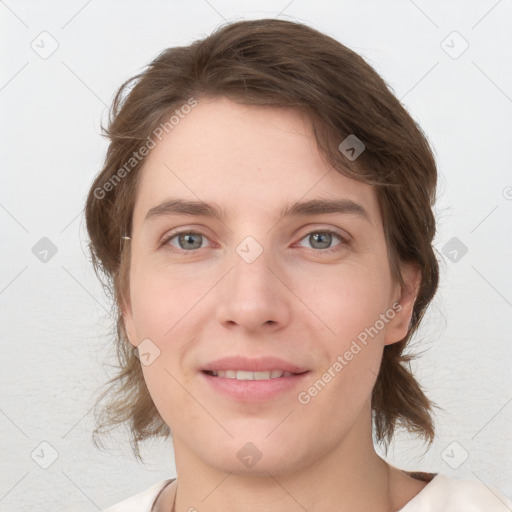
(141, 502)
(444, 493)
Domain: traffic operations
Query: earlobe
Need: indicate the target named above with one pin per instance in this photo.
(399, 326)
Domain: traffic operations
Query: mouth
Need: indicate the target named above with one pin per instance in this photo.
(247, 375)
(252, 380)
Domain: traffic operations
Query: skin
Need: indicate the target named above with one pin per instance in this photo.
(295, 301)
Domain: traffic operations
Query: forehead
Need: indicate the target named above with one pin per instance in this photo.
(245, 157)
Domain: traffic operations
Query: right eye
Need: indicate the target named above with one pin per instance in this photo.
(187, 241)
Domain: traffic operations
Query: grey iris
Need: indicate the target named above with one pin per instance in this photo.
(186, 240)
(324, 239)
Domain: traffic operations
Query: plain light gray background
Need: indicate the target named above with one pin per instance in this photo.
(54, 317)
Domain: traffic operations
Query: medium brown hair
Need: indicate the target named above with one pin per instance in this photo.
(276, 63)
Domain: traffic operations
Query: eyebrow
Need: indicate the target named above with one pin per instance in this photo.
(311, 207)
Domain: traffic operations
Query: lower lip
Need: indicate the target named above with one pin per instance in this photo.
(254, 390)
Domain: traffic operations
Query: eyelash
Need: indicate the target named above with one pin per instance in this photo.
(343, 241)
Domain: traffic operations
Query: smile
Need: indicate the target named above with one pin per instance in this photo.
(245, 375)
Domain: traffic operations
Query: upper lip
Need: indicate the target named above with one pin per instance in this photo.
(260, 364)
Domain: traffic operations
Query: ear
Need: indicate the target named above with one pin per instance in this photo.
(403, 303)
(129, 324)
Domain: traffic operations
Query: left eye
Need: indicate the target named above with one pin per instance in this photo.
(323, 239)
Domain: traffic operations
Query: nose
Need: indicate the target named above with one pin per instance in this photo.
(254, 296)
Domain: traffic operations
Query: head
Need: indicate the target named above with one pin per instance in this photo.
(251, 120)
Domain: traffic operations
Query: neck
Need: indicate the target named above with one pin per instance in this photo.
(351, 477)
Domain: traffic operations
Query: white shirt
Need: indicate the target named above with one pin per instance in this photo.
(441, 494)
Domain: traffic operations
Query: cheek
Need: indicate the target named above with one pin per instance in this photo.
(336, 394)
(169, 397)
(161, 297)
(348, 299)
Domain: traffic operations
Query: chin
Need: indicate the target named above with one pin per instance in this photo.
(257, 458)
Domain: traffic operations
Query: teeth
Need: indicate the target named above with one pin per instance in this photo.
(243, 375)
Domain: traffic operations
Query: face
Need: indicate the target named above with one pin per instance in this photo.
(303, 295)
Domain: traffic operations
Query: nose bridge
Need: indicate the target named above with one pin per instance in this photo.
(251, 263)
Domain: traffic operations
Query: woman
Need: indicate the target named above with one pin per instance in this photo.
(264, 216)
